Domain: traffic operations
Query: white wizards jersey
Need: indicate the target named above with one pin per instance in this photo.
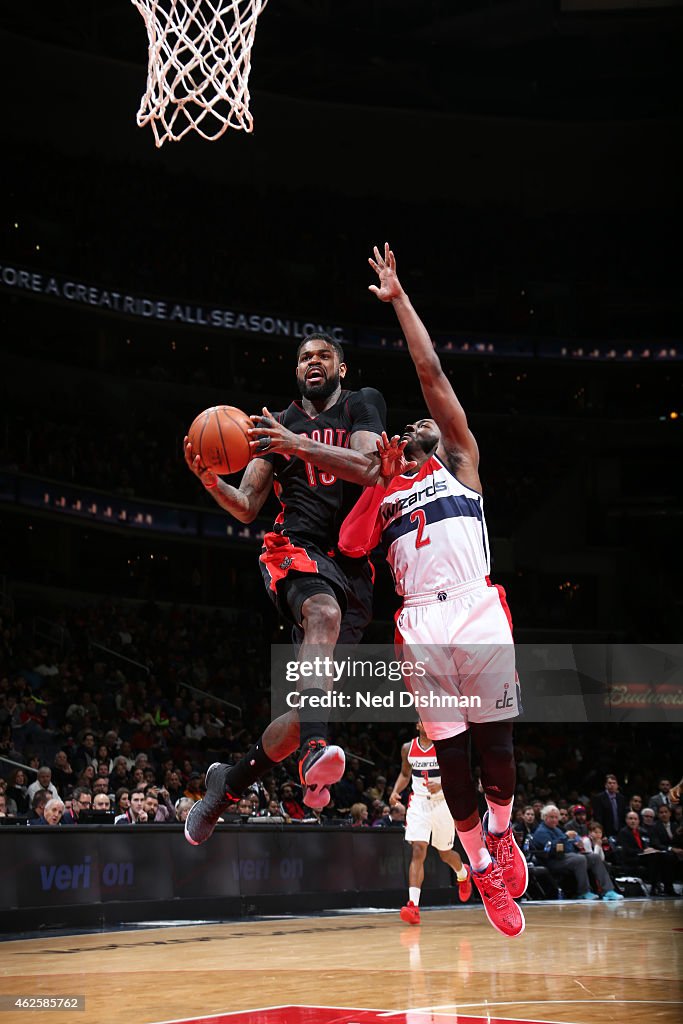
(433, 531)
(424, 766)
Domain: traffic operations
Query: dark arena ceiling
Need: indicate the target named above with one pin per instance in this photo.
(560, 59)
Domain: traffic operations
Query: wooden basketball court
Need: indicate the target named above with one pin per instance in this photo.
(575, 964)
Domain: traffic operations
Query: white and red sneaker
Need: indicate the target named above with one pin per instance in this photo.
(410, 913)
(320, 766)
(501, 910)
(465, 887)
(509, 858)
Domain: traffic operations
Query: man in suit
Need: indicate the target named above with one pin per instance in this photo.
(609, 807)
(644, 858)
(662, 797)
(662, 831)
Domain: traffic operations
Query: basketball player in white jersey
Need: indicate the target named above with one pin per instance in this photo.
(431, 523)
(428, 817)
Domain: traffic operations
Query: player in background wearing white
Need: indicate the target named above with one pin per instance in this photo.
(428, 817)
(431, 523)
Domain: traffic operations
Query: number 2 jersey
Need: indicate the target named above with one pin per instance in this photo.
(431, 526)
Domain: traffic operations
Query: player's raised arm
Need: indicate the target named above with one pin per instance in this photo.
(456, 437)
(243, 502)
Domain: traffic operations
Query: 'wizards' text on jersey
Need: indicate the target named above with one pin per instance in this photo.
(440, 518)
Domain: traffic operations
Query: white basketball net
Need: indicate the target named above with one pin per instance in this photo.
(199, 63)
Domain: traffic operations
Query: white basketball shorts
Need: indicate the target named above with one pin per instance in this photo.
(463, 639)
(427, 818)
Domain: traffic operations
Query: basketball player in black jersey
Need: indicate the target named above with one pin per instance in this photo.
(309, 453)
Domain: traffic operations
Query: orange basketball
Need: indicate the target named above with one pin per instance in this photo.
(219, 437)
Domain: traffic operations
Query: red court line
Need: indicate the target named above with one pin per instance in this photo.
(340, 1015)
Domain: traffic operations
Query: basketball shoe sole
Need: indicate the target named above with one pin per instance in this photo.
(203, 815)
(319, 769)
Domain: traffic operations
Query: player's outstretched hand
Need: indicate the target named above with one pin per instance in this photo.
(385, 267)
(267, 435)
(206, 476)
(392, 456)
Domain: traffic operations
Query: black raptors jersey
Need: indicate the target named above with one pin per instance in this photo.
(315, 503)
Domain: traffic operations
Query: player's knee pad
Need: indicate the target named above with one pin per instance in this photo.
(453, 755)
(493, 741)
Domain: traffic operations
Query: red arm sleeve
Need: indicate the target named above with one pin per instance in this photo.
(361, 530)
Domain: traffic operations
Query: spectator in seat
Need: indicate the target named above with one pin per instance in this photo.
(397, 816)
(193, 789)
(174, 785)
(54, 811)
(565, 855)
(662, 830)
(86, 777)
(86, 754)
(244, 807)
(527, 826)
(166, 809)
(81, 800)
(290, 804)
(17, 790)
(273, 810)
(578, 822)
(43, 781)
(636, 804)
(104, 760)
(136, 813)
(100, 785)
(182, 808)
(4, 813)
(119, 775)
(9, 806)
(648, 819)
(50, 813)
(542, 885)
(642, 857)
(593, 842)
(663, 796)
(62, 772)
(359, 815)
(101, 802)
(151, 806)
(121, 800)
(609, 807)
(38, 804)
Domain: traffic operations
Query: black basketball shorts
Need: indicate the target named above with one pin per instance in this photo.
(294, 570)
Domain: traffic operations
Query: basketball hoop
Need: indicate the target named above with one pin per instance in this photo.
(199, 63)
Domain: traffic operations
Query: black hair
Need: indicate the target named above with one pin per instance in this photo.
(322, 336)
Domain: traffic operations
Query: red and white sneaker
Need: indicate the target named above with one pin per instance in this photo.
(320, 766)
(465, 887)
(410, 913)
(501, 910)
(509, 858)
